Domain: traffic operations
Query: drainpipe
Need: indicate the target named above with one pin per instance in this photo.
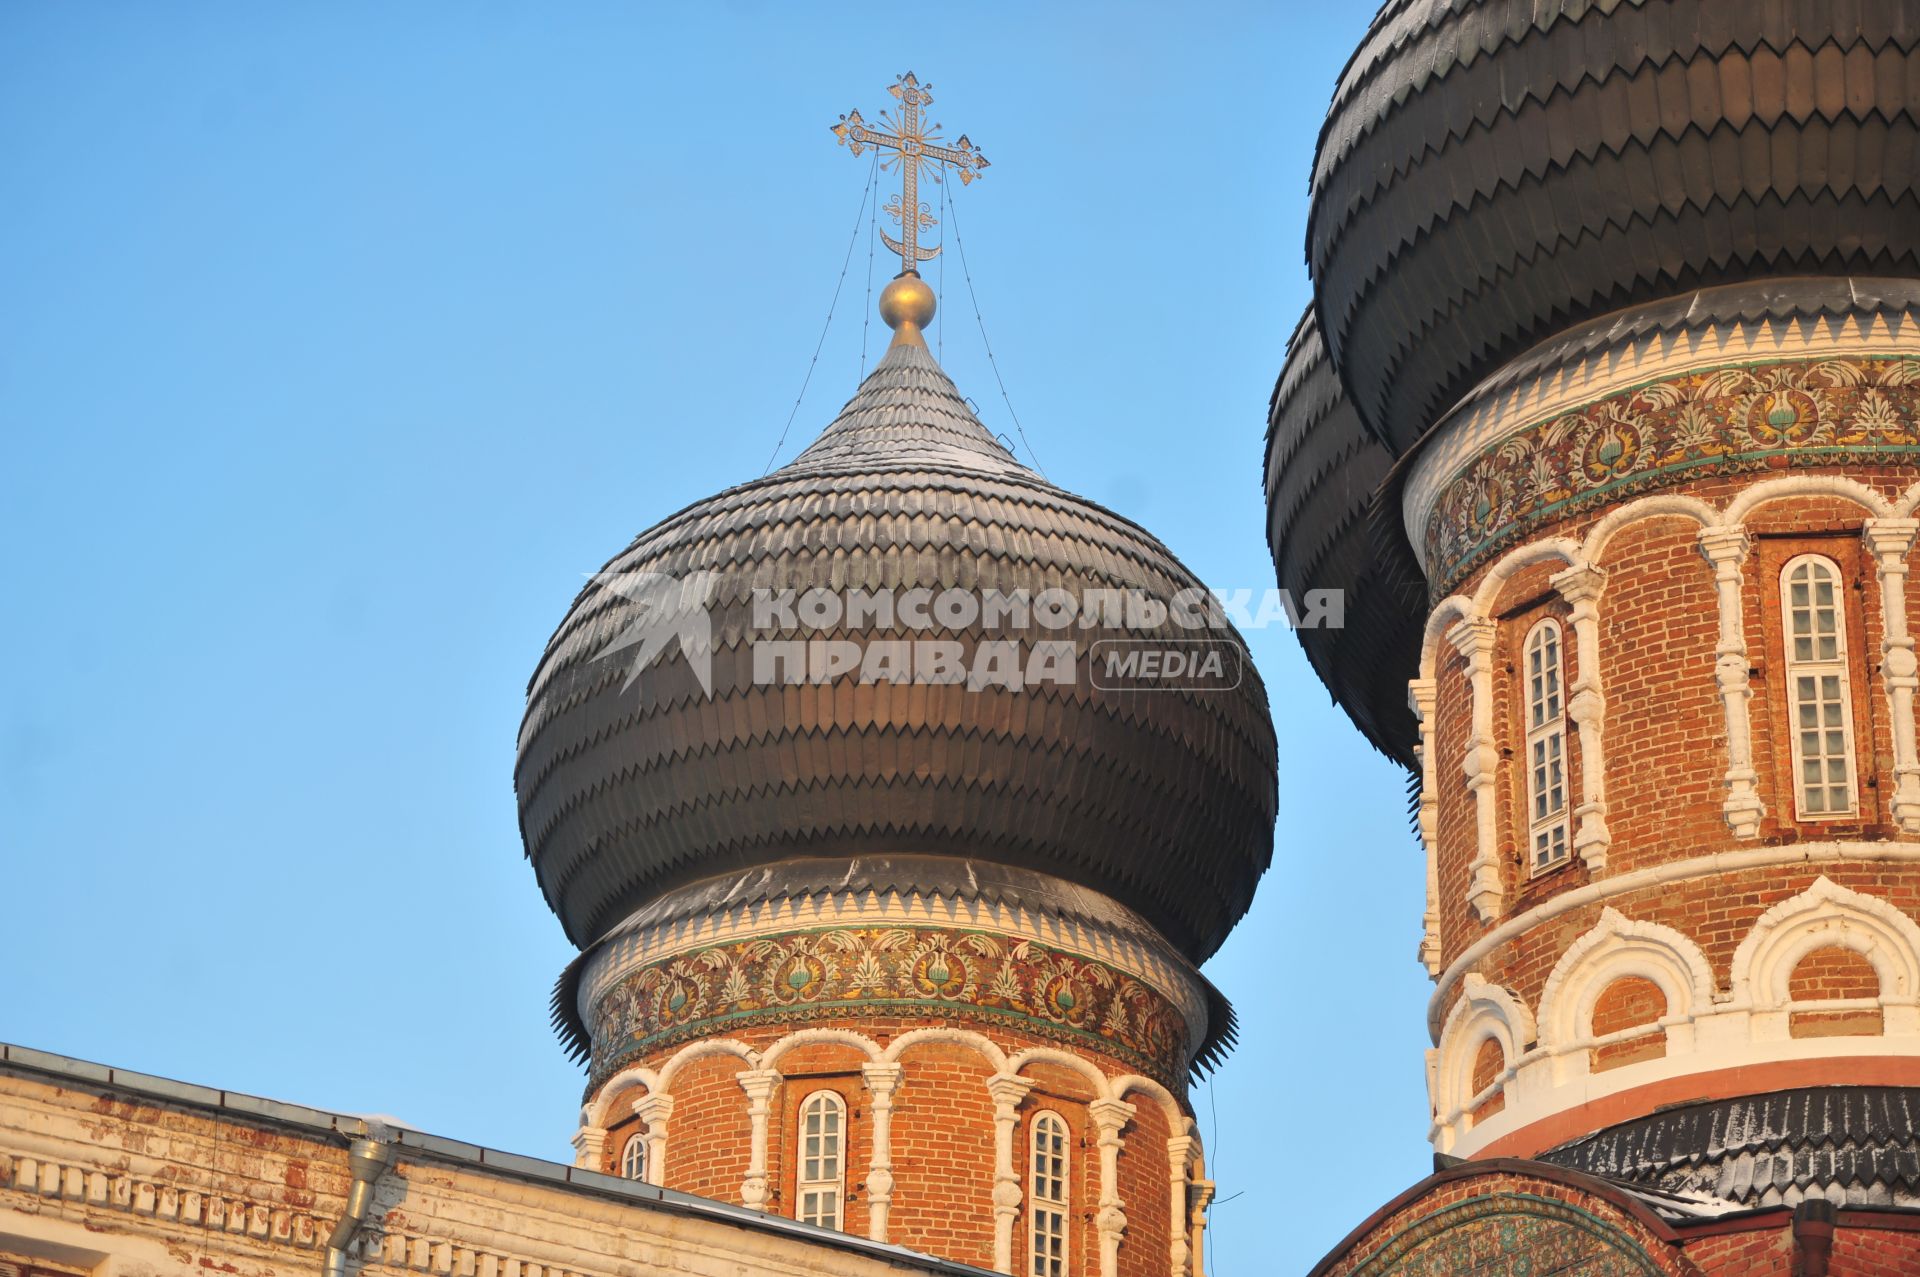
(1813, 1234)
(369, 1160)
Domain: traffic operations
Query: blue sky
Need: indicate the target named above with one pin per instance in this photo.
(340, 343)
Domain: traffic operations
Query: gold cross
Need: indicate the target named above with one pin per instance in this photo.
(912, 146)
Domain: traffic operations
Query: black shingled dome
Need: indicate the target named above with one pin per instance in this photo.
(1492, 174)
(1163, 799)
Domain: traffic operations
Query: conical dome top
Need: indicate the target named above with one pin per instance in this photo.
(1163, 799)
(907, 414)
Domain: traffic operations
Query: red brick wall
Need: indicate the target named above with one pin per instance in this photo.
(1760, 1252)
(1833, 973)
(1665, 732)
(943, 1155)
(1627, 1004)
(1665, 737)
(1488, 1062)
(1872, 1252)
(711, 1135)
(942, 1142)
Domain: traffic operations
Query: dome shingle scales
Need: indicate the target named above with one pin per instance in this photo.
(1163, 799)
(1500, 177)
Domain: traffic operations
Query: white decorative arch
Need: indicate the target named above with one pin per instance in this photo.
(700, 1050)
(1524, 556)
(952, 1037)
(594, 1112)
(1664, 506)
(822, 1037)
(1102, 1089)
(1615, 948)
(1909, 503)
(1127, 1083)
(1484, 1010)
(1804, 485)
(1447, 612)
(1828, 916)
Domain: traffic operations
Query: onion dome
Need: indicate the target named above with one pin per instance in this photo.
(1510, 178)
(1491, 173)
(1161, 798)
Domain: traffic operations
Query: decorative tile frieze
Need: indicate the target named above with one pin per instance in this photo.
(937, 972)
(1729, 420)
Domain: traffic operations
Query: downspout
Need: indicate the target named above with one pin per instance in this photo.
(369, 1160)
(1813, 1234)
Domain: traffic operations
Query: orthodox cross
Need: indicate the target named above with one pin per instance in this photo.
(912, 145)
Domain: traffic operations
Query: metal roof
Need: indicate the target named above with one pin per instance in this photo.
(1852, 1145)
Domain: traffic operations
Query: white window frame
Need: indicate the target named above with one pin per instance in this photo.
(1049, 1194)
(1815, 669)
(820, 1159)
(633, 1157)
(1543, 695)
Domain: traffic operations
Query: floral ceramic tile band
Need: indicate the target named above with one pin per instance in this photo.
(1728, 420)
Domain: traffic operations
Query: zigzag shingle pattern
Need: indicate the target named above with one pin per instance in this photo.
(1493, 174)
(1322, 471)
(1165, 799)
(1585, 158)
(1852, 1145)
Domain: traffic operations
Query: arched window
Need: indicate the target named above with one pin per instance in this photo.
(633, 1157)
(1546, 748)
(823, 1125)
(1047, 1193)
(1819, 708)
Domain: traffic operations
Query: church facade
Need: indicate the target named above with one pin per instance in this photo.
(1604, 416)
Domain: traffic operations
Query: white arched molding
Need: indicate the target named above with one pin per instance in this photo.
(652, 1109)
(860, 1042)
(1827, 916)
(1889, 541)
(1805, 485)
(1420, 699)
(758, 1084)
(1110, 1118)
(1473, 638)
(1546, 550)
(882, 1081)
(1484, 1010)
(1007, 1092)
(1726, 549)
(1580, 586)
(700, 1050)
(1109, 1115)
(1183, 1146)
(1199, 1195)
(1616, 948)
(1671, 505)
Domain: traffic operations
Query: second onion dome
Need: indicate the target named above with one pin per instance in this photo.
(1161, 797)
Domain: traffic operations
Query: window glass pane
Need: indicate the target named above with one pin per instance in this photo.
(1818, 693)
(821, 1118)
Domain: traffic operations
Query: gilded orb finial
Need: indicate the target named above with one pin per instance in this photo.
(907, 305)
